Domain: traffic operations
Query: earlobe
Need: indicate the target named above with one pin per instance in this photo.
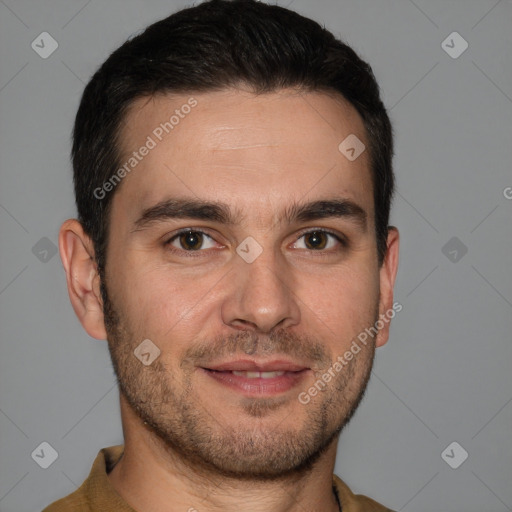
(83, 281)
(388, 273)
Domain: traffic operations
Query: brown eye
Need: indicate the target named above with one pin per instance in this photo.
(191, 240)
(316, 240)
(319, 240)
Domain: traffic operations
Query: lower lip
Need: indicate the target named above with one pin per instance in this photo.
(258, 386)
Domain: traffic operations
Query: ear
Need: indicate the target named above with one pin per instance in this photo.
(388, 272)
(77, 255)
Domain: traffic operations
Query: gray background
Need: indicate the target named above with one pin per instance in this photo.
(445, 374)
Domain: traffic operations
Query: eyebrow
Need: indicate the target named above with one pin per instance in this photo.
(222, 213)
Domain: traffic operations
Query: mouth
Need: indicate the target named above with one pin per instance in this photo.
(258, 375)
(257, 379)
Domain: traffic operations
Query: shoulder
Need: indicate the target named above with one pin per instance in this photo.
(351, 502)
(76, 502)
(96, 489)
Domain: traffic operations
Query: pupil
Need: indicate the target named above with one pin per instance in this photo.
(316, 240)
(191, 240)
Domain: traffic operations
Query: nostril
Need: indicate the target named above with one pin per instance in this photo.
(244, 325)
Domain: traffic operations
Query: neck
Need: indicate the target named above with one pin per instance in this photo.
(150, 473)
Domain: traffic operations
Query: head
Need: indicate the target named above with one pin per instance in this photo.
(220, 217)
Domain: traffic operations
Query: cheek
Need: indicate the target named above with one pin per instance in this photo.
(163, 304)
(340, 305)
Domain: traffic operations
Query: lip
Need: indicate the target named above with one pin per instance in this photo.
(293, 374)
(249, 365)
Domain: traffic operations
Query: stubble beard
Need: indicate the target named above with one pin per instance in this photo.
(249, 450)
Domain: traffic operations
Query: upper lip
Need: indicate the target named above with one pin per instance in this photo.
(249, 365)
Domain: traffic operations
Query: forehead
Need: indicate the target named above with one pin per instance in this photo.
(238, 147)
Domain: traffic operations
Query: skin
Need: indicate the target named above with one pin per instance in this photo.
(186, 435)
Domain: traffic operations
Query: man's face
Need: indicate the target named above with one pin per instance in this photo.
(243, 325)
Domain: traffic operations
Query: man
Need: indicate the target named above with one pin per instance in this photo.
(233, 179)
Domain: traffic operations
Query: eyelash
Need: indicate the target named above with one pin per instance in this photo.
(194, 254)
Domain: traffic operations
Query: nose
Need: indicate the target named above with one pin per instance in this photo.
(261, 295)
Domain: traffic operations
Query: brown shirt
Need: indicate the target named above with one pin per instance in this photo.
(97, 494)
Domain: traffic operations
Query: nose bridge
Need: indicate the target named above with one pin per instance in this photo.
(266, 275)
(262, 296)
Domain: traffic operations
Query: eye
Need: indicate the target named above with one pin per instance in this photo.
(318, 240)
(191, 240)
